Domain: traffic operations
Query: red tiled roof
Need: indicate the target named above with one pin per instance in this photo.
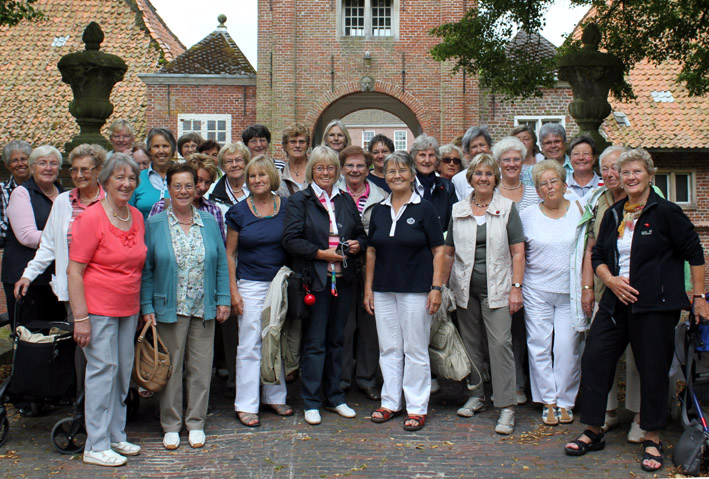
(216, 54)
(663, 115)
(34, 101)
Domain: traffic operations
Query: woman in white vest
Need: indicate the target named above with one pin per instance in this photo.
(485, 254)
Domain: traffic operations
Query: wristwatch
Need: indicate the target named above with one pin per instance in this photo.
(436, 288)
(703, 296)
(517, 285)
(585, 286)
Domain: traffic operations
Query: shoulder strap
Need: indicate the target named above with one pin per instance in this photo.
(289, 185)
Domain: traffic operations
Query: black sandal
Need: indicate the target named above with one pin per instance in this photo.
(651, 457)
(597, 443)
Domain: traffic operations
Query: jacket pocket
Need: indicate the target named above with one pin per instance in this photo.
(160, 304)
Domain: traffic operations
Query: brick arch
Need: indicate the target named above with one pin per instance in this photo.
(352, 90)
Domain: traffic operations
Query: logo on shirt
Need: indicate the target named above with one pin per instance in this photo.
(410, 221)
(646, 232)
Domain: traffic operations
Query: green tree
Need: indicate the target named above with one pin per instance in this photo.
(656, 30)
(12, 12)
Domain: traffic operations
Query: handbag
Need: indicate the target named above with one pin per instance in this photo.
(152, 367)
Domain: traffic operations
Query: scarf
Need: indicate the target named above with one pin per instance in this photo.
(427, 181)
(630, 214)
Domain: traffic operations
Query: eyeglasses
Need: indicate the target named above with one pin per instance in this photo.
(45, 164)
(233, 161)
(448, 159)
(355, 167)
(552, 182)
(400, 171)
(297, 142)
(84, 171)
(258, 141)
(187, 187)
(320, 169)
(121, 137)
(552, 142)
(24, 159)
(633, 173)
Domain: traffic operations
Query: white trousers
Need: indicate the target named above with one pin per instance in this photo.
(248, 353)
(632, 385)
(109, 362)
(404, 329)
(554, 348)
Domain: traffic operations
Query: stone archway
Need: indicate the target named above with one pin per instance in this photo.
(349, 97)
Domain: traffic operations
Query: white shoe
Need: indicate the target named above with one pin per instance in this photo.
(435, 387)
(611, 422)
(635, 435)
(343, 410)
(106, 458)
(471, 406)
(312, 417)
(171, 440)
(521, 398)
(506, 422)
(125, 448)
(197, 438)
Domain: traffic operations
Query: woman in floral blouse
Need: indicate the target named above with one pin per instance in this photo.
(185, 286)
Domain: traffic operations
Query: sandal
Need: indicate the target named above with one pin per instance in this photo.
(597, 443)
(419, 420)
(651, 457)
(386, 415)
(248, 419)
(281, 409)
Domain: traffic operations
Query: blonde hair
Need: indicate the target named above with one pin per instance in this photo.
(322, 154)
(266, 164)
(544, 166)
(237, 147)
(480, 160)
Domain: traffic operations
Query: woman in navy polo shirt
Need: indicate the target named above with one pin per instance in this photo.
(404, 275)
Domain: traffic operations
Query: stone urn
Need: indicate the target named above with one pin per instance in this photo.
(591, 74)
(91, 75)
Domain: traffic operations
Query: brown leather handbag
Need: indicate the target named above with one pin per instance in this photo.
(152, 367)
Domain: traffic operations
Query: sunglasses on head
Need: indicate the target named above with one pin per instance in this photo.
(447, 159)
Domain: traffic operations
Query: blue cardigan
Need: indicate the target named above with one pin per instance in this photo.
(158, 290)
(145, 195)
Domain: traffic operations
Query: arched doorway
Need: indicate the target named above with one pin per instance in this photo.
(345, 105)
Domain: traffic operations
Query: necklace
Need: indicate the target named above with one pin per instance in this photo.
(115, 215)
(98, 192)
(484, 205)
(258, 215)
(510, 187)
(54, 193)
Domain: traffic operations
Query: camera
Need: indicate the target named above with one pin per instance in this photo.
(343, 249)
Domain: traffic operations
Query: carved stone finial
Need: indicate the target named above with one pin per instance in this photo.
(93, 36)
(222, 20)
(591, 37)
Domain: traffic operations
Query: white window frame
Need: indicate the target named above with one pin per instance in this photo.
(405, 140)
(539, 121)
(672, 186)
(367, 34)
(204, 132)
(365, 140)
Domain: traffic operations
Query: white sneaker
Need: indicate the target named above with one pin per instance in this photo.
(435, 387)
(106, 458)
(197, 438)
(171, 440)
(521, 398)
(506, 422)
(312, 416)
(611, 422)
(635, 435)
(126, 448)
(343, 410)
(471, 406)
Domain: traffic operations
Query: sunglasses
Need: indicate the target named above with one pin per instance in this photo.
(447, 160)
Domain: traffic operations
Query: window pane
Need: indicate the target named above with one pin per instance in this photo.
(366, 138)
(211, 125)
(221, 125)
(353, 17)
(400, 140)
(221, 137)
(661, 181)
(211, 135)
(196, 125)
(682, 188)
(381, 18)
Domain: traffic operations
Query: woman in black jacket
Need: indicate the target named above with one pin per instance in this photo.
(439, 191)
(639, 255)
(323, 232)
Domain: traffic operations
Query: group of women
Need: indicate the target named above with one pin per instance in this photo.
(364, 233)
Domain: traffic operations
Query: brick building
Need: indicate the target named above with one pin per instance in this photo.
(209, 89)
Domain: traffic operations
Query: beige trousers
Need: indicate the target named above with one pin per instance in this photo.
(190, 341)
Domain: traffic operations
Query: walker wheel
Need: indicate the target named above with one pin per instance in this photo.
(69, 436)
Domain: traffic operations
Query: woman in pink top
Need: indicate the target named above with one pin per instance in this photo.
(106, 259)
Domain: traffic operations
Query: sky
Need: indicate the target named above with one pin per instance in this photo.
(192, 22)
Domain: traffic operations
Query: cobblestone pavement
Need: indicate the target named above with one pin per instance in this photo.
(448, 447)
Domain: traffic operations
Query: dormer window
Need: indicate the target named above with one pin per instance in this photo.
(369, 18)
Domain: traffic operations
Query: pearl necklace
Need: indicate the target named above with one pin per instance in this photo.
(510, 187)
(98, 192)
(115, 215)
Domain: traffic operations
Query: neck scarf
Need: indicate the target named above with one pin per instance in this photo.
(427, 181)
(630, 214)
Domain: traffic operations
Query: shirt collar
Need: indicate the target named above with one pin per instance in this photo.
(74, 197)
(172, 219)
(319, 191)
(413, 200)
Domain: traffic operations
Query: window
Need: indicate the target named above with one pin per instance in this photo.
(677, 186)
(210, 127)
(536, 123)
(400, 142)
(369, 18)
(366, 138)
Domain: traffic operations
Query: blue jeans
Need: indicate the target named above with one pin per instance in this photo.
(321, 349)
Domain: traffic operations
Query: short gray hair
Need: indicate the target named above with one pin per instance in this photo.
(552, 129)
(119, 125)
(547, 165)
(506, 144)
(402, 158)
(95, 152)
(638, 154)
(422, 143)
(322, 154)
(15, 145)
(450, 147)
(341, 126)
(118, 161)
(45, 150)
(472, 133)
(610, 150)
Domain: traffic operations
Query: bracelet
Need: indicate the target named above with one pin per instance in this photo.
(587, 287)
(78, 320)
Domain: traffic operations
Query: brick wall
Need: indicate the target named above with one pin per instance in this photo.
(166, 102)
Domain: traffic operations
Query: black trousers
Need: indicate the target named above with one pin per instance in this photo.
(652, 337)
